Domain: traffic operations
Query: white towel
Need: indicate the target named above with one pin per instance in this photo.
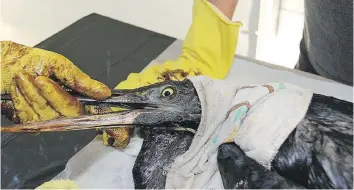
(257, 117)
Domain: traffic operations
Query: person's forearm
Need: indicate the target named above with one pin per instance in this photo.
(225, 6)
(208, 49)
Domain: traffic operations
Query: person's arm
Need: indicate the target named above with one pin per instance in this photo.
(227, 7)
(208, 48)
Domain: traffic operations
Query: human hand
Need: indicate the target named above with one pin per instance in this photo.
(35, 97)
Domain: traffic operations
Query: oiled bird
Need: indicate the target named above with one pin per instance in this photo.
(317, 154)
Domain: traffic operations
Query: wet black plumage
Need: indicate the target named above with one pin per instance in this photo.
(241, 172)
(159, 150)
(317, 154)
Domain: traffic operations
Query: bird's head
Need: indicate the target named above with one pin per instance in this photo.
(172, 104)
(169, 104)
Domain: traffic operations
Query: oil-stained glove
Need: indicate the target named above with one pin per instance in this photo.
(25, 73)
(208, 49)
(238, 171)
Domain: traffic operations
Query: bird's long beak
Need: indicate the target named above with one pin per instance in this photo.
(141, 112)
(84, 122)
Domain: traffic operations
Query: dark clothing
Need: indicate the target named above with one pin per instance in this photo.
(327, 45)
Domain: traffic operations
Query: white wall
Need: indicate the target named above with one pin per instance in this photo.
(34, 20)
(280, 31)
(31, 21)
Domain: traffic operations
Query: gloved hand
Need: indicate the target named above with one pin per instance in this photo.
(25, 73)
(208, 49)
(238, 171)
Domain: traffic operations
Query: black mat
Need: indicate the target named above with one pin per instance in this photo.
(106, 49)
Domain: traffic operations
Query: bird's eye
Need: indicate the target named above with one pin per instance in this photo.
(167, 92)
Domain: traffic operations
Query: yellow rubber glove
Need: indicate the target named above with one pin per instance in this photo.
(208, 49)
(35, 97)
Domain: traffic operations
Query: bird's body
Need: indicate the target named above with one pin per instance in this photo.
(317, 154)
(159, 150)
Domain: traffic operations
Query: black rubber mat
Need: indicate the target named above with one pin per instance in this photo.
(106, 49)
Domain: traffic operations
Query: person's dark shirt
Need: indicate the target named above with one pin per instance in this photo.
(327, 44)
